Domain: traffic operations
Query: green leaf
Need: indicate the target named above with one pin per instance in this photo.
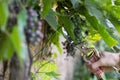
(104, 4)
(114, 35)
(51, 18)
(117, 2)
(106, 37)
(6, 48)
(98, 22)
(47, 4)
(115, 22)
(56, 40)
(104, 34)
(67, 24)
(115, 11)
(18, 37)
(47, 67)
(94, 10)
(4, 13)
(33, 75)
(52, 74)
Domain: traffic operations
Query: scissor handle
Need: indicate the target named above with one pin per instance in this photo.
(92, 58)
(85, 59)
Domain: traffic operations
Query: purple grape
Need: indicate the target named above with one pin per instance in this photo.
(31, 24)
(39, 25)
(29, 31)
(33, 35)
(33, 27)
(39, 34)
(31, 12)
(30, 19)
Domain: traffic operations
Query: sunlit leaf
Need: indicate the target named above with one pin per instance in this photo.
(47, 67)
(94, 38)
(4, 13)
(52, 74)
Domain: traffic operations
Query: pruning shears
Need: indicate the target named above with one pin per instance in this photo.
(89, 54)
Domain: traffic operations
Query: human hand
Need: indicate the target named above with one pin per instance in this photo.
(105, 63)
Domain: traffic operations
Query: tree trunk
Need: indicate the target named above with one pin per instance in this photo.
(18, 71)
(1, 70)
(14, 70)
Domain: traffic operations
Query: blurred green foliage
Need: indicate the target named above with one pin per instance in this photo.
(93, 17)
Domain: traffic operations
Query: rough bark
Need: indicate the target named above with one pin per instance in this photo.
(20, 71)
(1, 70)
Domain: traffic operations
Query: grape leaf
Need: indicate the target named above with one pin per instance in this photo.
(115, 22)
(4, 13)
(47, 4)
(51, 18)
(6, 48)
(47, 67)
(98, 22)
(67, 24)
(93, 9)
(115, 11)
(101, 29)
(56, 40)
(117, 2)
(52, 74)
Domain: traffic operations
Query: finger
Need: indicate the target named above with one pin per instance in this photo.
(88, 65)
(99, 74)
(105, 69)
(97, 64)
(101, 54)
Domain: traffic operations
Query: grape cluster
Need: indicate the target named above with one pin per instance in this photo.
(33, 27)
(70, 47)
